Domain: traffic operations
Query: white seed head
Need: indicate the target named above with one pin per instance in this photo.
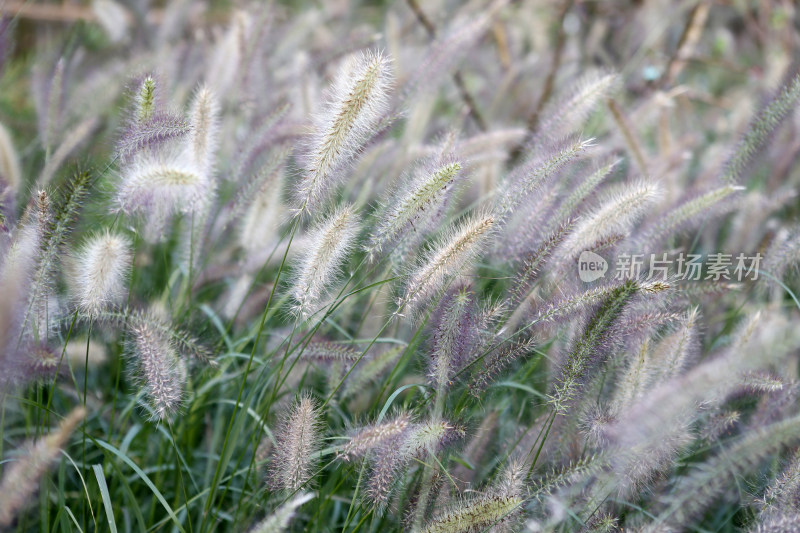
(100, 271)
(616, 214)
(404, 210)
(293, 461)
(204, 135)
(261, 220)
(447, 258)
(161, 371)
(354, 108)
(160, 187)
(317, 268)
(22, 477)
(279, 520)
(9, 161)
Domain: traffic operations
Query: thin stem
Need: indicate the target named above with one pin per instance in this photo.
(218, 469)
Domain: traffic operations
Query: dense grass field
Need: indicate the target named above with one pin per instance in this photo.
(434, 266)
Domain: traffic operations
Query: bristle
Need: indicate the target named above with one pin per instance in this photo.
(414, 442)
(570, 112)
(120, 317)
(151, 133)
(701, 486)
(16, 278)
(686, 214)
(10, 172)
(404, 210)
(581, 192)
(585, 352)
(446, 258)
(455, 335)
(375, 436)
(279, 520)
(760, 130)
(293, 460)
(22, 477)
(353, 110)
(616, 213)
(495, 363)
(530, 176)
(204, 132)
(159, 188)
(783, 494)
(145, 99)
(329, 245)
(477, 514)
(161, 372)
(100, 271)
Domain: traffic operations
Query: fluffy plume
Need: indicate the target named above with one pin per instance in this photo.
(445, 259)
(581, 192)
(375, 436)
(584, 354)
(225, 61)
(10, 172)
(783, 255)
(498, 509)
(616, 214)
(570, 112)
(145, 100)
(479, 447)
(55, 221)
(353, 109)
(187, 344)
(327, 249)
(204, 133)
(495, 363)
(16, 277)
(22, 477)
(101, 267)
(647, 435)
(173, 177)
(149, 134)
(456, 334)
(701, 486)
(653, 365)
(676, 350)
(687, 213)
(477, 514)
(760, 129)
(403, 210)
(279, 520)
(293, 461)
(162, 186)
(781, 523)
(161, 372)
(262, 218)
(783, 494)
(394, 455)
(530, 176)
